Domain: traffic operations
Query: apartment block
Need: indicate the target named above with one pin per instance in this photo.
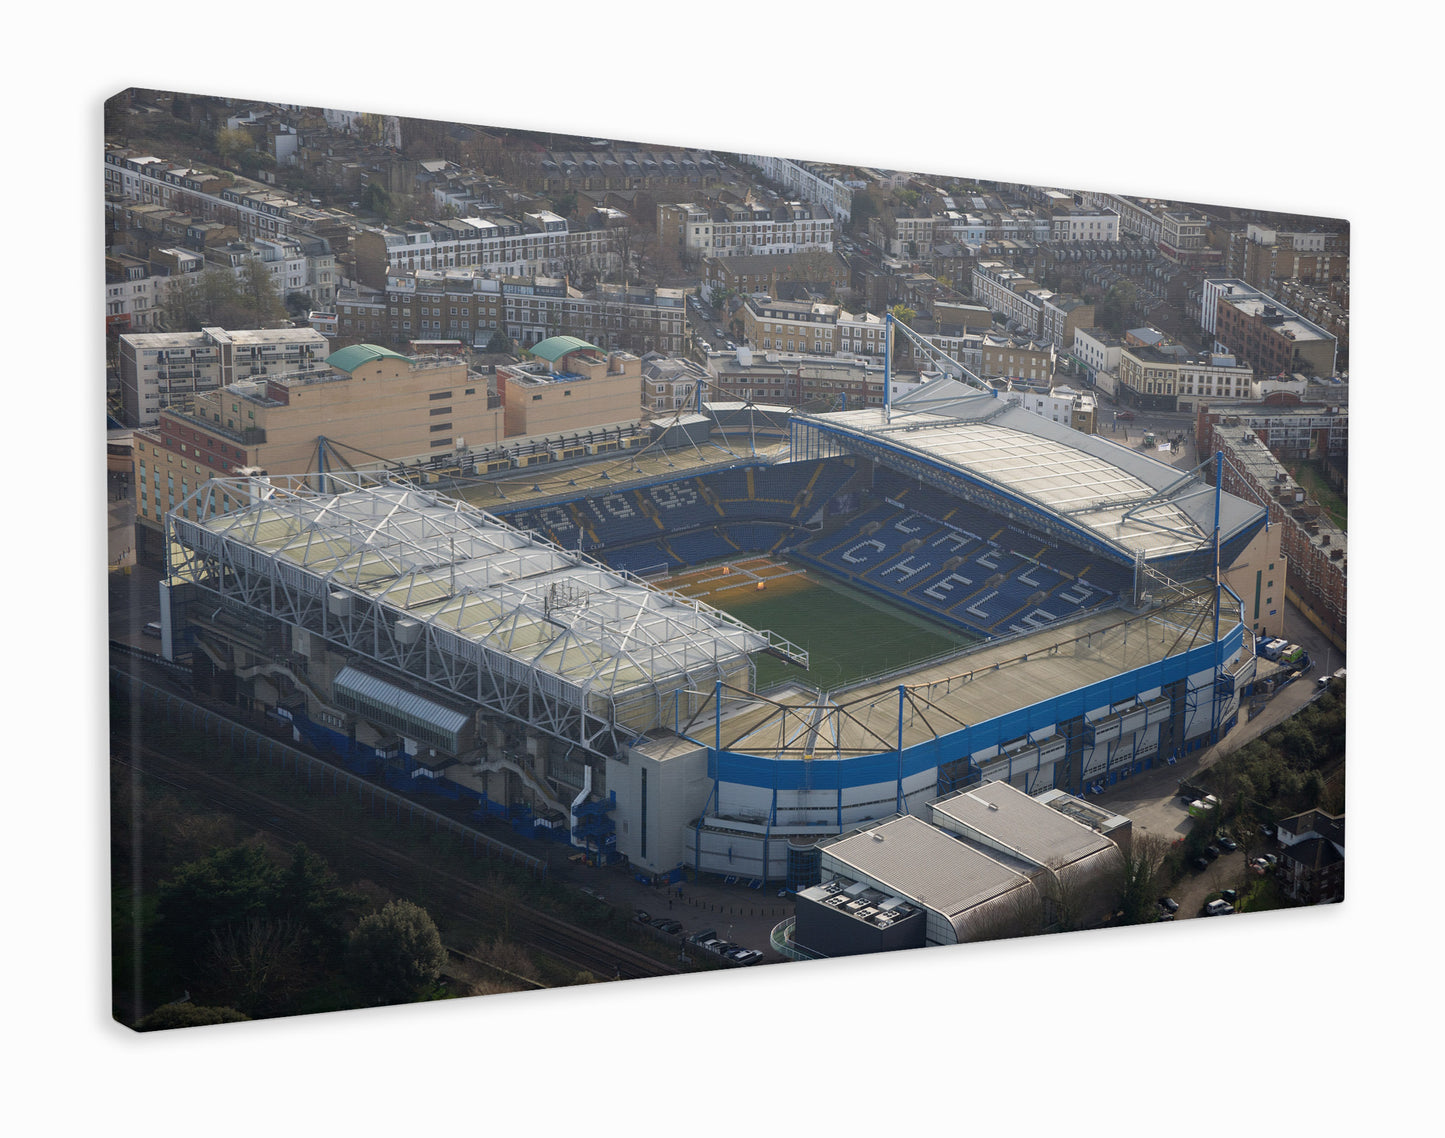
(158, 368)
(796, 326)
(766, 273)
(1263, 255)
(1262, 332)
(369, 401)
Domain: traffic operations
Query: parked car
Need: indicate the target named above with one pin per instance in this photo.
(701, 936)
(1227, 843)
(641, 916)
(1200, 864)
(1217, 908)
(152, 629)
(671, 928)
(1211, 852)
(1169, 903)
(1230, 895)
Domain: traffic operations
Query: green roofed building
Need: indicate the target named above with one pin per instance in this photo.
(349, 359)
(554, 348)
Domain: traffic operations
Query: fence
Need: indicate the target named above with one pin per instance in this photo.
(320, 775)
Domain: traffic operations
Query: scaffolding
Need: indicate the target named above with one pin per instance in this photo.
(435, 591)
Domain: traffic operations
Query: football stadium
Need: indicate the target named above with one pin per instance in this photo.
(714, 652)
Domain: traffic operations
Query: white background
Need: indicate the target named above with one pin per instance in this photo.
(1311, 1018)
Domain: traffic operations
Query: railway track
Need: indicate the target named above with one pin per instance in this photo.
(450, 896)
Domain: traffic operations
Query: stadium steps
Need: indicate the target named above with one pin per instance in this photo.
(752, 485)
(709, 497)
(584, 523)
(807, 494)
(648, 509)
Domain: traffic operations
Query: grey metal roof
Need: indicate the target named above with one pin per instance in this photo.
(409, 703)
(1124, 497)
(925, 865)
(1025, 827)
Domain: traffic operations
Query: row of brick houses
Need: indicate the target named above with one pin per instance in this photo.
(473, 306)
(540, 243)
(737, 229)
(1257, 441)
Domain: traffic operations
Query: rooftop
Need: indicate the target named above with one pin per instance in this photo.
(912, 859)
(484, 590)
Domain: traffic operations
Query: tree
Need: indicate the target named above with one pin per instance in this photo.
(225, 888)
(376, 199)
(903, 314)
(1117, 308)
(188, 1015)
(233, 143)
(252, 962)
(1139, 877)
(499, 343)
(396, 954)
(258, 294)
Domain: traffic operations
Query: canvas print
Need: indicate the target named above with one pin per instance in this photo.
(541, 559)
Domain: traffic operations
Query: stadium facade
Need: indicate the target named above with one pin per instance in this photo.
(517, 657)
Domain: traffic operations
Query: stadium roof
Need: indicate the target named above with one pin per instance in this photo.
(981, 684)
(1116, 495)
(417, 568)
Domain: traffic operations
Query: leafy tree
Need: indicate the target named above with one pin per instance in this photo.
(1117, 308)
(311, 895)
(225, 888)
(396, 954)
(903, 314)
(499, 343)
(376, 199)
(188, 1015)
(232, 144)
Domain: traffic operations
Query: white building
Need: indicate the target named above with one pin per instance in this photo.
(748, 229)
(1076, 223)
(820, 186)
(1097, 349)
(157, 368)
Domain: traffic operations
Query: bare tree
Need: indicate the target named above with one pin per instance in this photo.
(1139, 877)
(252, 960)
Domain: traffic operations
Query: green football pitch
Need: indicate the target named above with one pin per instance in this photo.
(848, 634)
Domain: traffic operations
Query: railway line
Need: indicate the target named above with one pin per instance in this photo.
(450, 897)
